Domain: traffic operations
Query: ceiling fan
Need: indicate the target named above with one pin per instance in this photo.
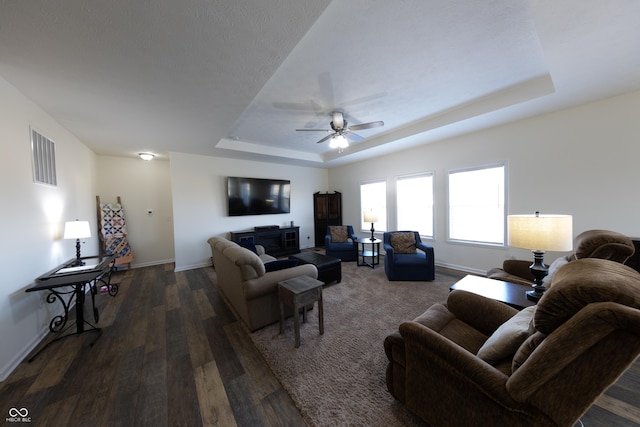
(340, 129)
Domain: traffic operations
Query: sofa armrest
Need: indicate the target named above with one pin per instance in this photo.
(518, 267)
(425, 350)
(268, 283)
(388, 249)
(428, 250)
(260, 250)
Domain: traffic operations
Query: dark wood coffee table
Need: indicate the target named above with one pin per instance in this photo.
(329, 268)
(509, 293)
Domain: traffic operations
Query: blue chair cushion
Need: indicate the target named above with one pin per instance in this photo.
(343, 246)
(410, 259)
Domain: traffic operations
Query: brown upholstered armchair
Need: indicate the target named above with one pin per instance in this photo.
(469, 363)
(602, 244)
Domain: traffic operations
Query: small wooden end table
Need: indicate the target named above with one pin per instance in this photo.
(374, 253)
(298, 293)
(509, 293)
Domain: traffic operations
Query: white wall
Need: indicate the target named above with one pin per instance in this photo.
(199, 202)
(142, 186)
(32, 220)
(581, 161)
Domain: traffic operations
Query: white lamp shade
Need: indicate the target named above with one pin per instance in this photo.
(76, 230)
(370, 216)
(541, 232)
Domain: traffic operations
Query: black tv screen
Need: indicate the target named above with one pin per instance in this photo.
(257, 196)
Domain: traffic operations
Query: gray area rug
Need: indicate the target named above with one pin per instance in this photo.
(338, 378)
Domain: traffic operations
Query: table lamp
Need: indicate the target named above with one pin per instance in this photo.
(540, 233)
(77, 230)
(371, 216)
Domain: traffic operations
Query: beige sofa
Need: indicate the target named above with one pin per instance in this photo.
(247, 286)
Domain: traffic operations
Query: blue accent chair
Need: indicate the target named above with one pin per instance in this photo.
(418, 266)
(346, 251)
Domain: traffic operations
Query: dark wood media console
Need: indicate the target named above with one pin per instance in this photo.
(277, 241)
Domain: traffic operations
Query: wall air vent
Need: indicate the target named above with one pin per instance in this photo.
(43, 151)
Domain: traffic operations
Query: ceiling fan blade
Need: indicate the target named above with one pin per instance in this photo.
(295, 106)
(326, 138)
(367, 125)
(314, 130)
(353, 137)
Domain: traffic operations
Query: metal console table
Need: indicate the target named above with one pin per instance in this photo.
(68, 283)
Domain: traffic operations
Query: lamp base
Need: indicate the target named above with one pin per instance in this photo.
(539, 271)
(78, 262)
(535, 294)
(372, 230)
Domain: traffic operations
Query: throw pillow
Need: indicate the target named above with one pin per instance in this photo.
(506, 340)
(280, 264)
(338, 233)
(248, 244)
(403, 243)
(555, 265)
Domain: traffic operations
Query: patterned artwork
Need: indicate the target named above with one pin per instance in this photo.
(112, 222)
(120, 247)
(114, 232)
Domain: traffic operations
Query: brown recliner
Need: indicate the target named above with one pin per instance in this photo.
(586, 333)
(602, 244)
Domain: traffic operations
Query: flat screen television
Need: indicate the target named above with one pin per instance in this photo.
(257, 196)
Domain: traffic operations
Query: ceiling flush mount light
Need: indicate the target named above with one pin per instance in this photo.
(146, 156)
(540, 233)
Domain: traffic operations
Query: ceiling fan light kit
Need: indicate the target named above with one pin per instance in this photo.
(339, 142)
(340, 129)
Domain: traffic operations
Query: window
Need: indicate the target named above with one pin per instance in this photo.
(43, 151)
(415, 203)
(477, 205)
(373, 195)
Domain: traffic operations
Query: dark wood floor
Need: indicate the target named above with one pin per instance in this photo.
(172, 354)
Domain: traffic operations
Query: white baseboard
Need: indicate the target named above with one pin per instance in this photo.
(193, 266)
(152, 263)
(13, 364)
(461, 268)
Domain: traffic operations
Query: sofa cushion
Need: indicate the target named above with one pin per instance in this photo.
(506, 340)
(338, 233)
(403, 243)
(582, 282)
(280, 264)
(439, 319)
(525, 350)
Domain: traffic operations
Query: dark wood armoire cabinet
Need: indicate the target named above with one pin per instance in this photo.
(327, 210)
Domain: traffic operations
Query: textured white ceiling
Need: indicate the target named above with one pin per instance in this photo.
(236, 77)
